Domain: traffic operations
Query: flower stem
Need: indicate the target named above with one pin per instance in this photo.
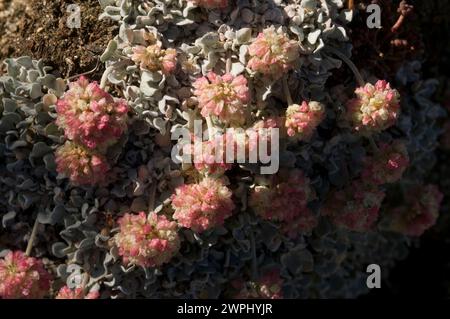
(85, 73)
(404, 9)
(228, 65)
(85, 282)
(398, 24)
(32, 237)
(151, 200)
(287, 93)
(211, 129)
(350, 64)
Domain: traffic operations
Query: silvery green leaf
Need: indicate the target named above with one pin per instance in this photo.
(52, 217)
(49, 160)
(109, 51)
(33, 75)
(243, 35)
(8, 219)
(148, 90)
(59, 249)
(105, 3)
(40, 149)
(25, 61)
(237, 68)
(313, 36)
(18, 144)
(8, 121)
(160, 124)
(151, 76)
(308, 4)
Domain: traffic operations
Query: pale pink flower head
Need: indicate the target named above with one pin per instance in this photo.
(285, 200)
(209, 157)
(272, 53)
(420, 212)
(355, 207)
(76, 293)
(153, 58)
(268, 286)
(222, 96)
(302, 120)
(91, 116)
(202, 206)
(81, 165)
(23, 277)
(147, 241)
(210, 4)
(386, 166)
(375, 108)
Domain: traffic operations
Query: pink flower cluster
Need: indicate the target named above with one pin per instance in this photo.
(386, 166)
(147, 241)
(209, 156)
(222, 96)
(92, 120)
(302, 120)
(375, 108)
(82, 165)
(285, 200)
(154, 58)
(356, 207)
(210, 4)
(269, 286)
(272, 53)
(23, 277)
(91, 116)
(76, 293)
(420, 213)
(202, 206)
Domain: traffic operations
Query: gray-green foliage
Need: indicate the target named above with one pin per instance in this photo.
(328, 263)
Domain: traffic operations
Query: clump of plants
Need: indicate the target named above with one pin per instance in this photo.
(94, 161)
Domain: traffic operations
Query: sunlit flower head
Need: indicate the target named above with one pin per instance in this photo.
(76, 293)
(89, 115)
(147, 241)
(222, 96)
(272, 53)
(375, 108)
(202, 206)
(81, 165)
(23, 277)
(302, 120)
(153, 58)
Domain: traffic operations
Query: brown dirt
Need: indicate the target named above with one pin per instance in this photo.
(38, 28)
